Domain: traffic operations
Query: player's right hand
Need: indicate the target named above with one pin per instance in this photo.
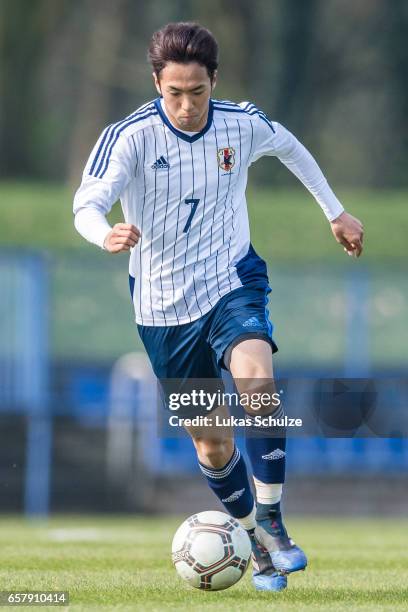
(122, 237)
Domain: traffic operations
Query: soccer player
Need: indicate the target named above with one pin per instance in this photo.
(179, 165)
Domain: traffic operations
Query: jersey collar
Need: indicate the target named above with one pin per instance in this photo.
(177, 132)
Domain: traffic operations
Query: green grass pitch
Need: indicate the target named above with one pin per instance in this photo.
(124, 564)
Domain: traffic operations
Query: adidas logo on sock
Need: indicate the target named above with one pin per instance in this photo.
(161, 164)
(252, 322)
(234, 496)
(275, 454)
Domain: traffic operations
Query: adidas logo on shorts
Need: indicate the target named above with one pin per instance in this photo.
(234, 496)
(275, 454)
(252, 322)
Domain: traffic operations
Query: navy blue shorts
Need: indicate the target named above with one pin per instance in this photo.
(197, 349)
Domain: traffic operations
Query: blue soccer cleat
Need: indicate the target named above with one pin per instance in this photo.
(273, 582)
(264, 575)
(286, 557)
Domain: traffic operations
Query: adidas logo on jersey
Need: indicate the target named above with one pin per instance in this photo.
(234, 496)
(275, 454)
(252, 322)
(161, 164)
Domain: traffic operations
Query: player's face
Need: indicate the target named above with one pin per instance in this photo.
(186, 91)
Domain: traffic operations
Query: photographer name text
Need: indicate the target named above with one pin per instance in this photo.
(232, 421)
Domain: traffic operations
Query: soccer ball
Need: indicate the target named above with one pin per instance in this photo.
(211, 551)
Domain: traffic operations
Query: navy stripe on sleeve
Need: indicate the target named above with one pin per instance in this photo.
(112, 127)
(114, 134)
(113, 140)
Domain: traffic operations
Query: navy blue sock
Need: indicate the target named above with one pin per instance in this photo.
(267, 457)
(231, 485)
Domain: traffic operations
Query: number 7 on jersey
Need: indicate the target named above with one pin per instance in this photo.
(194, 202)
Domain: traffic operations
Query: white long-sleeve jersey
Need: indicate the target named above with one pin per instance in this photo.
(186, 194)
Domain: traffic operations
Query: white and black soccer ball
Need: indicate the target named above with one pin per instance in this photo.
(211, 551)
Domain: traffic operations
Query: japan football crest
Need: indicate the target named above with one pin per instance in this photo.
(226, 158)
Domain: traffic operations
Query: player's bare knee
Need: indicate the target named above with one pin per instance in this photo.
(259, 399)
(214, 452)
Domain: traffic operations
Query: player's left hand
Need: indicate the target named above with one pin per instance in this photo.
(349, 232)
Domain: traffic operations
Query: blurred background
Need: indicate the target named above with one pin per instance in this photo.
(77, 406)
